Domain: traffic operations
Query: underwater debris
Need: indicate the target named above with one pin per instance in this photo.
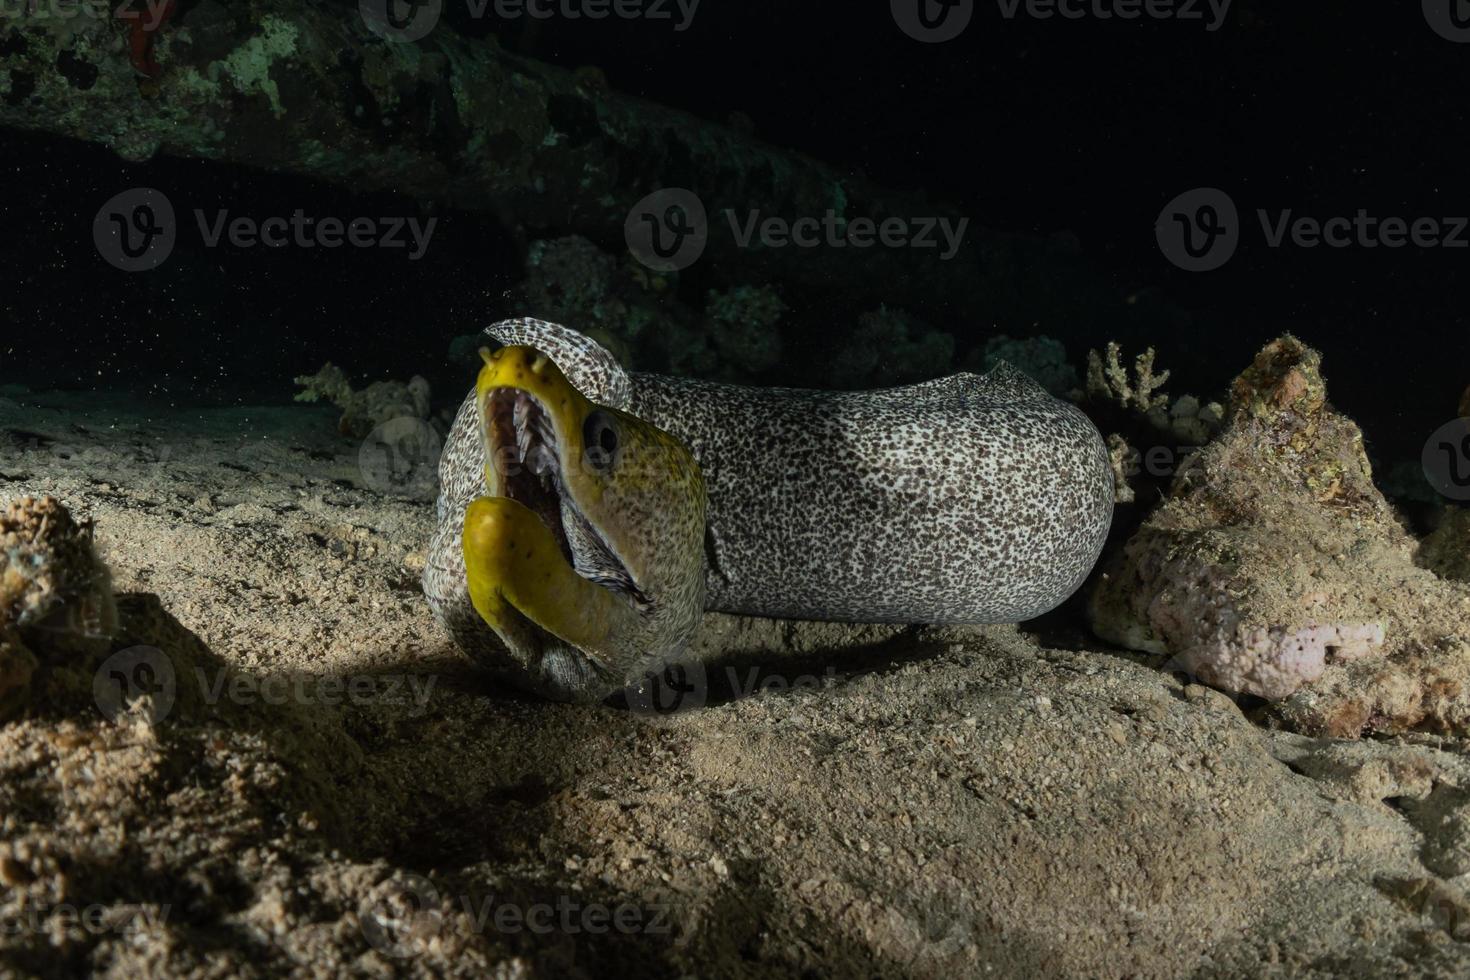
(363, 411)
(1275, 559)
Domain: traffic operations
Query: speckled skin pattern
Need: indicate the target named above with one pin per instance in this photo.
(968, 499)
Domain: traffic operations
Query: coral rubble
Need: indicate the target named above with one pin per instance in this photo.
(362, 411)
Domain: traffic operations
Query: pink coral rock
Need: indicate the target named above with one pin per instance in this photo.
(1276, 568)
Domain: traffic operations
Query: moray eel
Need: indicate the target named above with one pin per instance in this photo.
(588, 516)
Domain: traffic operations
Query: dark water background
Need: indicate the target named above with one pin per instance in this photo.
(1081, 130)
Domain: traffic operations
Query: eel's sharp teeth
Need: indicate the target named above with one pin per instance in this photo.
(522, 428)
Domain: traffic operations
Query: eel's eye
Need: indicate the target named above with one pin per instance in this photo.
(600, 440)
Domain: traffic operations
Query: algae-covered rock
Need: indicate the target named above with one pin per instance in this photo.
(1275, 563)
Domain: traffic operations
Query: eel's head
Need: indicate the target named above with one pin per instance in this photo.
(587, 558)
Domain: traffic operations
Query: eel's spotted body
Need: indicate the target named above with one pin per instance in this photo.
(968, 499)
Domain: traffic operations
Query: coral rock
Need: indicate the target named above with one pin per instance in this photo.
(1276, 563)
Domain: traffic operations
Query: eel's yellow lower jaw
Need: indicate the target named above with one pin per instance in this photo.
(516, 569)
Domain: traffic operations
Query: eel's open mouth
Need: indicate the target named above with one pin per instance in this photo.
(525, 462)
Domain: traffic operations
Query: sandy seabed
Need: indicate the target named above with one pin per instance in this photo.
(320, 784)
